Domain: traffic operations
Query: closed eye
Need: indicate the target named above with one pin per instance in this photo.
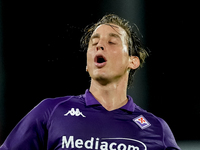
(95, 41)
(94, 44)
(112, 43)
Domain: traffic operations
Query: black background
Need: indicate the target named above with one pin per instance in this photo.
(42, 58)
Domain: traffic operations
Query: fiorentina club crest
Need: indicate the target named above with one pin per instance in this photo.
(141, 122)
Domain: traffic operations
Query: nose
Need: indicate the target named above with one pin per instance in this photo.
(100, 47)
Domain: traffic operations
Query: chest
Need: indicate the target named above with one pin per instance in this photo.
(95, 128)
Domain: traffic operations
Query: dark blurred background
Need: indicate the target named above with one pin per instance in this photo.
(40, 57)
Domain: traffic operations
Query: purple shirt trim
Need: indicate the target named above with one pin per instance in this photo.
(90, 100)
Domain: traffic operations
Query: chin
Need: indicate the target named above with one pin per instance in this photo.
(99, 74)
(102, 81)
(101, 78)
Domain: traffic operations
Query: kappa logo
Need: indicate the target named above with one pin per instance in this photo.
(142, 122)
(74, 112)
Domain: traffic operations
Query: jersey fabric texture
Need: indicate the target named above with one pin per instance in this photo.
(81, 122)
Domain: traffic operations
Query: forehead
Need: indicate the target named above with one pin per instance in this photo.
(110, 28)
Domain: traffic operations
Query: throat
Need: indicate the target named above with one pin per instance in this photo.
(109, 96)
(113, 105)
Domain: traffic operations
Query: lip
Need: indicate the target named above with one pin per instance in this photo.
(100, 65)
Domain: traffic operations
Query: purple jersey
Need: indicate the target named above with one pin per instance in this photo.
(80, 122)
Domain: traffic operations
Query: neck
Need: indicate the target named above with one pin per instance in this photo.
(112, 95)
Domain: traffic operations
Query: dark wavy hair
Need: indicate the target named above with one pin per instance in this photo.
(134, 44)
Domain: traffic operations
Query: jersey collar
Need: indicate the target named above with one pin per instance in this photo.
(90, 100)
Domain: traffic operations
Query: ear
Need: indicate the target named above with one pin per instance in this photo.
(134, 62)
(86, 69)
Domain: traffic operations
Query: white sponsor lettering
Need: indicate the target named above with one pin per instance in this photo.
(112, 145)
(89, 143)
(79, 143)
(102, 144)
(66, 143)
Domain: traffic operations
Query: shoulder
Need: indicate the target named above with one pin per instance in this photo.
(52, 102)
(49, 104)
(151, 118)
(149, 115)
(32, 128)
(43, 110)
(161, 127)
(159, 122)
(41, 113)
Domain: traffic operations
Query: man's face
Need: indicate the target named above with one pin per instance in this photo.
(107, 54)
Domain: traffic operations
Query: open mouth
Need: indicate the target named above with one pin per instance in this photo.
(100, 61)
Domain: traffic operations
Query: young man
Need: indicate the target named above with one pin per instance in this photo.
(104, 118)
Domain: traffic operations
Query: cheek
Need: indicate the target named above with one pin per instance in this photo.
(89, 57)
(121, 55)
(123, 62)
(125, 54)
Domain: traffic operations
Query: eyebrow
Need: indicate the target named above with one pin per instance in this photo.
(114, 35)
(97, 35)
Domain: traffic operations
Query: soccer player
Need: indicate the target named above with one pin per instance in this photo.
(104, 118)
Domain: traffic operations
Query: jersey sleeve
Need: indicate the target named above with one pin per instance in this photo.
(31, 132)
(168, 137)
